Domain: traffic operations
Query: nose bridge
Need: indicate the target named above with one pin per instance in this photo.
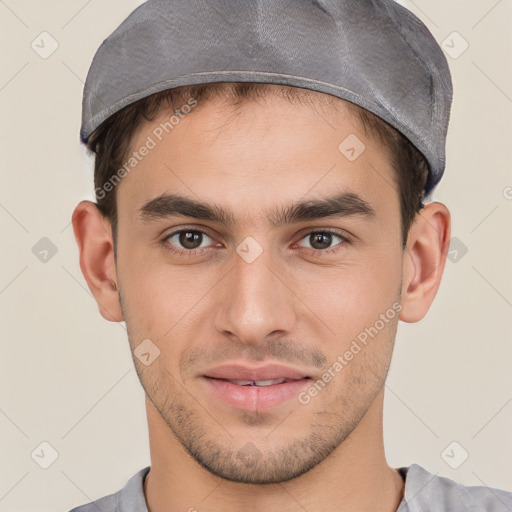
(255, 302)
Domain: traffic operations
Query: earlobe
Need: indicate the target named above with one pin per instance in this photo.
(94, 239)
(424, 260)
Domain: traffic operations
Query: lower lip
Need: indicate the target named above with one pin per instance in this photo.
(255, 398)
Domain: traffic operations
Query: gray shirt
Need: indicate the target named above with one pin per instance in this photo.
(424, 492)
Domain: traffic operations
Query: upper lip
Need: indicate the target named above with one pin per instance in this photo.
(269, 371)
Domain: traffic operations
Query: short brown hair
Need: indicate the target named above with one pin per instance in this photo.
(111, 141)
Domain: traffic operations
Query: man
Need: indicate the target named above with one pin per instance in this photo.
(260, 173)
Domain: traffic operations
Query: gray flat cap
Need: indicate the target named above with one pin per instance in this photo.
(374, 53)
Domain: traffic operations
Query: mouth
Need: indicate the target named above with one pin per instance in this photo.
(264, 374)
(254, 389)
(259, 383)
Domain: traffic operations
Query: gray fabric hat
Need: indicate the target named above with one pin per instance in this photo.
(374, 53)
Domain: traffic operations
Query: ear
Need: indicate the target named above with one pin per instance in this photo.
(93, 236)
(424, 260)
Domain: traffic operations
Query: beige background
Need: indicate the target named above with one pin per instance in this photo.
(66, 375)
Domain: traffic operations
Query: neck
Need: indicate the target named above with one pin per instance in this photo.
(355, 477)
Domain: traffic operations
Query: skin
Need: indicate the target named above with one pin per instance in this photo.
(288, 306)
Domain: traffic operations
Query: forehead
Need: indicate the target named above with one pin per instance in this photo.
(258, 153)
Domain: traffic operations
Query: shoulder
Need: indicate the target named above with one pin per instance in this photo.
(129, 499)
(424, 490)
(105, 504)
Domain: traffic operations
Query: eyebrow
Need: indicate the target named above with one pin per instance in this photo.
(344, 204)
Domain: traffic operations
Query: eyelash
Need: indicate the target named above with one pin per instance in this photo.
(196, 252)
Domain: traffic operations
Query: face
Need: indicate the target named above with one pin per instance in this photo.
(262, 265)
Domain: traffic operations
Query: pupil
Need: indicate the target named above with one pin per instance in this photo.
(188, 239)
(323, 239)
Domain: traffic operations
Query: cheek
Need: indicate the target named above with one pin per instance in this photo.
(354, 295)
(159, 300)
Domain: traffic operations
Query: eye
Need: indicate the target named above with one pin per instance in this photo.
(187, 240)
(321, 241)
(194, 241)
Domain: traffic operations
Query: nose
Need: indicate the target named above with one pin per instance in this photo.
(256, 300)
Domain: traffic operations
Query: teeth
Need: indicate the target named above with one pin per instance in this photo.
(268, 382)
(258, 382)
(242, 382)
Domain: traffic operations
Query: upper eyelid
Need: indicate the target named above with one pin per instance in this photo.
(181, 230)
(328, 231)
